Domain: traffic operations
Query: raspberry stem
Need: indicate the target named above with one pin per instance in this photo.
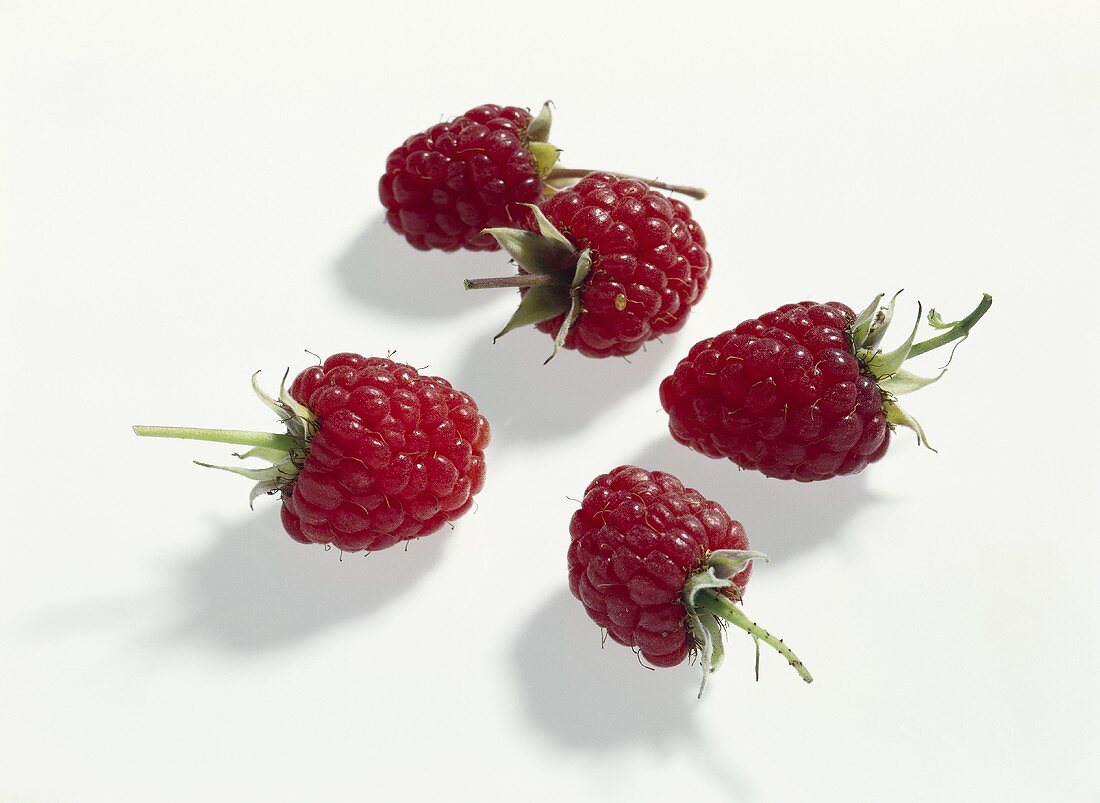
(953, 331)
(237, 437)
(519, 280)
(566, 173)
(724, 608)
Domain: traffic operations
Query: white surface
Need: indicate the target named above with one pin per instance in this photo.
(188, 195)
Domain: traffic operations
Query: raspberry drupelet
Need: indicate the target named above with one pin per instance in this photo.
(802, 392)
(605, 266)
(375, 453)
(660, 567)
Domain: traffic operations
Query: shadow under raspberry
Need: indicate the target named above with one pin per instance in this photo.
(526, 401)
(380, 269)
(783, 518)
(584, 696)
(255, 589)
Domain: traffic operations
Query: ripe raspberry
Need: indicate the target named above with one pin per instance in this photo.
(375, 453)
(615, 265)
(659, 567)
(803, 392)
(443, 186)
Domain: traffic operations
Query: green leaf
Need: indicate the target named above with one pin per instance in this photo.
(534, 252)
(539, 304)
(539, 128)
(546, 156)
(901, 382)
(898, 417)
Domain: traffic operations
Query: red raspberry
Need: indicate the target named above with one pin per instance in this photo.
(648, 266)
(375, 453)
(443, 186)
(654, 563)
(800, 393)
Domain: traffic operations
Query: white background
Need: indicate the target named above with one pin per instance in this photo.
(188, 194)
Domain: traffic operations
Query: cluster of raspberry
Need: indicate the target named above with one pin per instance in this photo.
(376, 453)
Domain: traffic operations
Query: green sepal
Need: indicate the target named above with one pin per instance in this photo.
(901, 382)
(257, 474)
(546, 156)
(721, 567)
(264, 488)
(537, 305)
(534, 252)
(861, 326)
(900, 418)
(883, 365)
(728, 563)
(880, 323)
(272, 456)
(576, 288)
(538, 130)
(546, 228)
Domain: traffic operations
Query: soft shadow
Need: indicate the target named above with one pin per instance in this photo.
(256, 589)
(584, 696)
(380, 269)
(526, 400)
(783, 518)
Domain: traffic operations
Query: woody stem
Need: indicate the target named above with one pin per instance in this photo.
(519, 280)
(572, 172)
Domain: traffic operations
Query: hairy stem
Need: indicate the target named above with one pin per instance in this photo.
(519, 280)
(237, 437)
(559, 173)
(724, 608)
(960, 329)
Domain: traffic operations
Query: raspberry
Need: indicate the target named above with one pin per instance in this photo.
(657, 565)
(375, 453)
(625, 265)
(802, 392)
(446, 184)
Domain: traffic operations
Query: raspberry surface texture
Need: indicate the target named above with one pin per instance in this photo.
(783, 393)
(444, 185)
(395, 456)
(635, 542)
(650, 265)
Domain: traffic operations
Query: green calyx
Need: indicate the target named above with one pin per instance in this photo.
(535, 141)
(710, 598)
(285, 454)
(868, 330)
(554, 275)
(555, 178)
